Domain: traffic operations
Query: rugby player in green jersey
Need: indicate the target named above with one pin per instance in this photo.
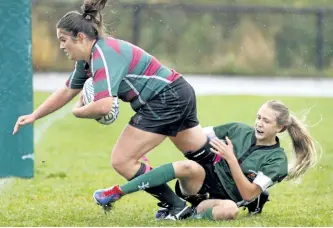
(249, 160)
(163, 101)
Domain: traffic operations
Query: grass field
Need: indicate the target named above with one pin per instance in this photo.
(72, 160)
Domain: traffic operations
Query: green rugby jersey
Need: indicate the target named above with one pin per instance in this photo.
(122, 69)
(263, 165)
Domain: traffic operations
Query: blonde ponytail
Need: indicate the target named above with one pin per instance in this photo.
(304, 146)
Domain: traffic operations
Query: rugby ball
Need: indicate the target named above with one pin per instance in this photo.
(88, 97)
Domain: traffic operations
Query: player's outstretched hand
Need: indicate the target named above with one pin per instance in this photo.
(23, 120)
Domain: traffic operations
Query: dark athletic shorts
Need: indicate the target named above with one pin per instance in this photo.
(211, 185)
(171, 111)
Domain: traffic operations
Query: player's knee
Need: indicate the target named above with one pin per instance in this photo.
(187, 168)
(203, 155)
(226, 211)
(232, 211)
(119, 164)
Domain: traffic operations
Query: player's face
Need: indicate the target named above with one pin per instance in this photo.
(266, 126)
(70, 46)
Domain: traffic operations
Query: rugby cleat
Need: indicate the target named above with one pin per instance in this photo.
(163, 211)
(257, 205)
(166, 212)
(105, 197)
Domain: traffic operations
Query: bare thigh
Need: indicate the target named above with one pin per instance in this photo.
(132, 144)
(191, 139)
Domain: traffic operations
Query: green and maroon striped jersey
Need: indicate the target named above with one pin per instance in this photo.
(122, 69)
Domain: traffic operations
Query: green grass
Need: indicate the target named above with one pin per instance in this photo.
(72, 160)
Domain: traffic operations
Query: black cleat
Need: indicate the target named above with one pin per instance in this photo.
(179, 213)
(256, 206)
(166, 212)
(163, 211)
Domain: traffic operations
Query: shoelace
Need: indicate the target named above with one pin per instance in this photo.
(110, 192)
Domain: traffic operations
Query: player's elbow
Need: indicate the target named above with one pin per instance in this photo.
(251, 193)
(248, 197)
(76, 113)
(104, 110)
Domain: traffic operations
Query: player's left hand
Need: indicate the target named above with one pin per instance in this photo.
(80, 103)
(225, 150)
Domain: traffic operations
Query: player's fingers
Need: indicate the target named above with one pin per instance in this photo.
(218, 143)
(20, 121)
(215, 151)
(213, 143)
(229, 141)
(16, 128)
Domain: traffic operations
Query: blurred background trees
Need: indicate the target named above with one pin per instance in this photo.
(206, 36)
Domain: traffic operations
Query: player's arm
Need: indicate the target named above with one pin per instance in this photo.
(273, 169)
(58, 99)
(109, 68)
(64, 94)
(94, 110)
(247, 189)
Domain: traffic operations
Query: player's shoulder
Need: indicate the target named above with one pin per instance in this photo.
(112, 49)
(278, 152)
(275, 153)
(243, 126)
(236, 126)
(106, 44)
(111, 43)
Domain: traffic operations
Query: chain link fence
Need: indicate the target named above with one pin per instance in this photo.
(199, 39)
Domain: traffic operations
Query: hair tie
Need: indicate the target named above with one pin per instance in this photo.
(88, 17)
(284, 128)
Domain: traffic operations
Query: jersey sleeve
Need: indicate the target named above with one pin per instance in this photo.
(78, 76)
(224, 130)
(209, 131)
(273, 169)
(108, 68)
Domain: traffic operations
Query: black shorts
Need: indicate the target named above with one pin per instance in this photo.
(171, 111)
(211, 185)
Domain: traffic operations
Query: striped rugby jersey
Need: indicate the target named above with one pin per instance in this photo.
(122, 69)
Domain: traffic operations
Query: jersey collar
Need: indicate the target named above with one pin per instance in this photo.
(262, 147)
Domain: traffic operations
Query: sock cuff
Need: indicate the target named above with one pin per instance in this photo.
(208, 214)
(144, 168)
